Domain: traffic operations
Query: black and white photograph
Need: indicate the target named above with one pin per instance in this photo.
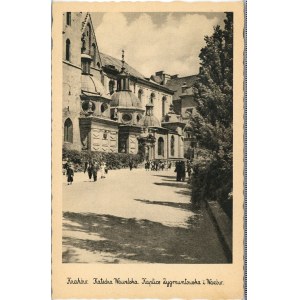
(147, 157)
(147, 150)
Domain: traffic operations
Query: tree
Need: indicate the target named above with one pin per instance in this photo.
(212, 125)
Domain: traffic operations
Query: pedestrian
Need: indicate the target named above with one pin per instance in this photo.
(85, 166)
(183, 171)
(178, 171)
(130, 165)
(95, 171)
(70, 174)
(105, 168)
(90, 170)
(102, 170)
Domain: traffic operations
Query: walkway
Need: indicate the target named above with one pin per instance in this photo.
(135, 216)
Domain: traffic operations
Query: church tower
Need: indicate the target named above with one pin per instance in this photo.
(126, 108)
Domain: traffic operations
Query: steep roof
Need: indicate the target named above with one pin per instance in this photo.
(176, 83)
(116, 63)
(109, 60)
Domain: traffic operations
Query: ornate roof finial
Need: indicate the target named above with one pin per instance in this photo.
(123, 61)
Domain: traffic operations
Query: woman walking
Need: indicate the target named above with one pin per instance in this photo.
(70, 174)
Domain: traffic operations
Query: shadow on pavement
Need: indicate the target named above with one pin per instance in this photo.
(174, 184)
(186, 206)
(144, 240)
(166, 176)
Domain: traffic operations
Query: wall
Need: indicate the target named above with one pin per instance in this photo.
(73, 33)
(99, 143)
(132, 144)
(176, 148)
(165, 137)
(147, 91)
(72, 103)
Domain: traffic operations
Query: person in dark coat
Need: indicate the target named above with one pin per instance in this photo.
(90, 170)
(95, 171)
(70, 174)
(130, 165)
(182, 170)
(178, 171)
(85, 166)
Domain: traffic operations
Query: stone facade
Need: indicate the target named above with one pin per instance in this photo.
(110, 107)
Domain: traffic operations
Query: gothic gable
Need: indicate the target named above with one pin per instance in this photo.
(89, 42)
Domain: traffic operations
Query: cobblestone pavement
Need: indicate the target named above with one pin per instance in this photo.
(135, 216)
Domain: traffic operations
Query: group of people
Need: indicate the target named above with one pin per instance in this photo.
(157, 165)
(181, 168)
(92, 168)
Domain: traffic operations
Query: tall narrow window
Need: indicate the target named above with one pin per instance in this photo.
(111, 86)
(152, 97)
(140, 93)
(68, 131)
(160, 150)
(69, 18)
(68, 49)
(172, 145)
(163, 108)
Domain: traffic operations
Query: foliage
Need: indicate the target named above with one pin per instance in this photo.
(212, 125)
(112, 160)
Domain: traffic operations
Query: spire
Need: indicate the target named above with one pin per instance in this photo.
(123, 78)
(123, 61)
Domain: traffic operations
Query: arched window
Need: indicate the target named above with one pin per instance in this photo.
(68, 131)
(98, 65)
(111, 86)
(160, 150)
(69, 18)
(140, 94)
(172, 145)
(68, 50)
(163, 108)
(152, 97)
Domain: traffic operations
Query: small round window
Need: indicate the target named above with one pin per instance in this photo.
(103, 107)
(88, 106)
(126, 118)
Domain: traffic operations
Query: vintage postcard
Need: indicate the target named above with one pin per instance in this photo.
(147, 150)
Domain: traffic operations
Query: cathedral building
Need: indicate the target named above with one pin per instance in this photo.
(108, 106)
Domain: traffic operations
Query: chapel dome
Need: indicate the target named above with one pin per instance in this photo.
(91, 85)
(125, 99)
(149, 121)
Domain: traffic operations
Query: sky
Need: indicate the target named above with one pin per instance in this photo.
(169, 42)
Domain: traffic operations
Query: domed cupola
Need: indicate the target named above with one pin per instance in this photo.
(123, 97)
(149, 119)
(126, 108)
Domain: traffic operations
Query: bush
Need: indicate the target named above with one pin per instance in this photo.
(212, 180)
(112, 160)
